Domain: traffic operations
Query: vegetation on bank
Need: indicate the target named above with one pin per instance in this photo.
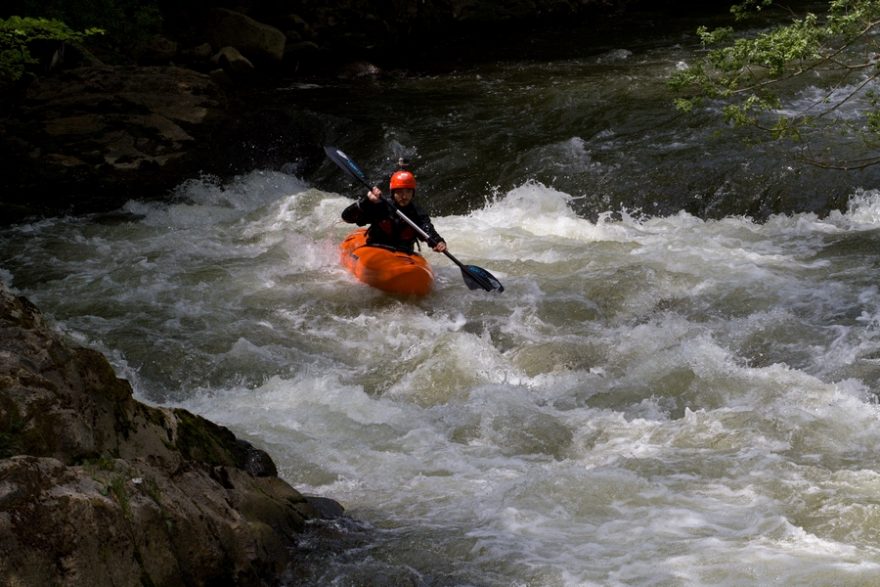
(20, 35)
(837, 50)
(35, 34)
(126, 23)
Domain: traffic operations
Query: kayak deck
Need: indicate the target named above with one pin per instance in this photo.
(385, 268)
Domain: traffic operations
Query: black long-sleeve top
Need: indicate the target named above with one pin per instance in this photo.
(386, 228)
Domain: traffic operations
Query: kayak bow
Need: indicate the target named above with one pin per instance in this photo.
(386, 268)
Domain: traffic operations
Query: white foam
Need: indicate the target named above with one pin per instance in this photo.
(657, 400)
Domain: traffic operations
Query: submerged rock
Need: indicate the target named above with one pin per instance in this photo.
(97, 488)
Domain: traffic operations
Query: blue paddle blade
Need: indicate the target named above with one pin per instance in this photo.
(347, 165)
(478, 278)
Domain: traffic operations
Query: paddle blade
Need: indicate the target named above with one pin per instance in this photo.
(346, 164)
(478, 278)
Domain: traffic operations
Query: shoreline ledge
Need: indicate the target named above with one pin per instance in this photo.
(97, 488)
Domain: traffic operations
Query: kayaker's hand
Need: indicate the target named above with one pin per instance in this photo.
(440, 247)
(375, 195)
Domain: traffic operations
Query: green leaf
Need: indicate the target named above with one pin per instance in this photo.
(751, 72)
(16, 33)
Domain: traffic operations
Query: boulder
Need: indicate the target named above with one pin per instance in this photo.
(233, 62)
(99, 489)
(255, 40)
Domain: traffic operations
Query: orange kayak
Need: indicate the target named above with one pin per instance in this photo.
(386, 268)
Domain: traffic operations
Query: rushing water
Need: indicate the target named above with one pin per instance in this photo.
(661, 398)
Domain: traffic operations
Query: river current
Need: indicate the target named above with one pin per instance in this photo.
(677, 387)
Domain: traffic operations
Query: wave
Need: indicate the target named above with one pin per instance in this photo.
(651, 398)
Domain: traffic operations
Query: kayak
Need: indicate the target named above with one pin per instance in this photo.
(386, 268)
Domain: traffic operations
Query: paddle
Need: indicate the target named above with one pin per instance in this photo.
(474, 277)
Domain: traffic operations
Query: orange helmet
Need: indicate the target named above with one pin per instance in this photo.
(403, 180)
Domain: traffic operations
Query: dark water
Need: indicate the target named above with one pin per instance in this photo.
(583, 111)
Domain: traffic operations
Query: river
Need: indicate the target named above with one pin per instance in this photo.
(677, 387)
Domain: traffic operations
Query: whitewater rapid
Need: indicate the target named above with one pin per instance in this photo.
(651, 401)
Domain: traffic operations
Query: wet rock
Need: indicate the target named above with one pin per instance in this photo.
(257, 462)
(328, 509)
(359, 69)
(99, 489)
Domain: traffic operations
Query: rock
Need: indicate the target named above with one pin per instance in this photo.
(233, 62)
(298, 27)
(157, 50)
(221, 77)
(300, 49)
(359, 69)
(328, 509)
(92, 138)
(200, 52)
(99, 489)
(102, 135)
(255, 40)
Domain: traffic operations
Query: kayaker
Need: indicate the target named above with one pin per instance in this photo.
(386, 228)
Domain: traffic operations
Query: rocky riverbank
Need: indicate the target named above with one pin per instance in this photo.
(98, 489)
(91, 138)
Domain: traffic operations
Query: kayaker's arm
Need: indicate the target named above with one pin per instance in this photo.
(440, 247)
(366, 209)
(434, 240)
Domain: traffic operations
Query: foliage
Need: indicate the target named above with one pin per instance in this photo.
(17, 34)
(837, 50)
(127, 24)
